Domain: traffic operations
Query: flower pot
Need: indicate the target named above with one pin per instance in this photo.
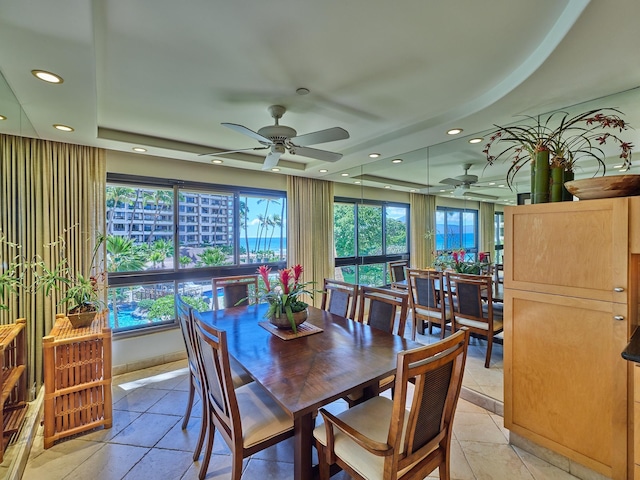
(540, 177)
(82, 319)
(283, 321)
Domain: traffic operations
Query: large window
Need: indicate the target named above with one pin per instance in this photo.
(164, 239)
(457, 229)
(368, 235)
(499, 237)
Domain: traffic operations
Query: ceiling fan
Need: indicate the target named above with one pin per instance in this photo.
(462, 184)
(279, 139)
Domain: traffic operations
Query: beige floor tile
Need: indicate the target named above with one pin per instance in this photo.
(477, 427)
(139, 399)
(146, 430)
(121, 419)
(111, 462)
(58, 461)
(540, 469)
(179, 439)
(160, 463)
(173, 403)
(489, 461)
(219, 469)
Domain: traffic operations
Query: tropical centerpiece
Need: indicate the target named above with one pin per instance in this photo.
(456, 261)
(554, 151)
(286, 308)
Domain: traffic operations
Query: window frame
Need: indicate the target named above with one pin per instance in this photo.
(177, 274)
(461, 211)
(360, 260)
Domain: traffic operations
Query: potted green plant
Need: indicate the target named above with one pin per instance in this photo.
(11, 271)
(553, 151)
(82, 292)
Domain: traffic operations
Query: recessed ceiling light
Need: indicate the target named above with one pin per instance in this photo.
(492, 183)
(217, 161)
(412, 190)
(617, 166)
(323, 170)
(357, 182)
(501, 186)
(275, 169)
(2, 117)
(396, 160)
(454, 131)
(387, 186)
(374, 155)
(476, 140)
(63, 128)
(344, 174)
(47, 76)
(139, 149)
(442, 191)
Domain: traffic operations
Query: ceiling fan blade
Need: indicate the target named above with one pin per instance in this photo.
(451, 181)
(321, 136)
(250, 133)
(233, 151)
(271, 160)
(479, 195)
(323, 155)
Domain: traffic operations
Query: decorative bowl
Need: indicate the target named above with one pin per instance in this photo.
(605, 187)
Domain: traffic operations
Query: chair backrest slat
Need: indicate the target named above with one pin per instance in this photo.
(396, 270)
(380, 307)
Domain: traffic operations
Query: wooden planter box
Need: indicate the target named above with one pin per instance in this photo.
(13, 386)
(77, 378)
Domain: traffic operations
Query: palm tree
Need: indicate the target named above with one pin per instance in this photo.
(244, 223)
(116, 196)
(122, 255)
(163, 247)
(211, 257)
(275, 221)
(161, 199)
(136, 200)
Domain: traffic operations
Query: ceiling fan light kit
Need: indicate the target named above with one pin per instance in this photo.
(281, 139)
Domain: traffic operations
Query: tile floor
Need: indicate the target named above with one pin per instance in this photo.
(147, 442)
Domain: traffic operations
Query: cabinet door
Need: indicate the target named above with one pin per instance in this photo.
(576, 249)
(565, 380)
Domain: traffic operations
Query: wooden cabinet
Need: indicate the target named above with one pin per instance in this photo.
(13, 386)
(569, 295)
(77, 378)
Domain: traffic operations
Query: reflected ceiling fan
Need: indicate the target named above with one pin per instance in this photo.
(462, 184)
(280, 139)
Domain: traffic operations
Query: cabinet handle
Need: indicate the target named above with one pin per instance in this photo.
(618, 289)
(618, 317)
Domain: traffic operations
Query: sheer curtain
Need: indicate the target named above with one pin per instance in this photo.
(50, 192)
(487, 228)
(423, 208)
(310, 229)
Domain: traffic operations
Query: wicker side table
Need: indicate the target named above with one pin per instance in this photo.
(13, 382)
(77, 378)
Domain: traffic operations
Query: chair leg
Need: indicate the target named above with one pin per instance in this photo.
(236, 467)
(203, 430)
(204, 466)
(187, 414)
(323, 465)
(442, 325)
(430, 327)
(489, 346)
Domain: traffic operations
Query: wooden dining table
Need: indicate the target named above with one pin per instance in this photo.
(303, 374)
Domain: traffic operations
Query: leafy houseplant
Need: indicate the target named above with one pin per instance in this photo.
(555, 150)
(84, 291)
(460, 265)
(284, 294)
(11, 271)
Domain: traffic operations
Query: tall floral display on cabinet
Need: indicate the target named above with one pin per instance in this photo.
(553, 145)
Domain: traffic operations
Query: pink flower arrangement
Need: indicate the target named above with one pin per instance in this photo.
(283, 293)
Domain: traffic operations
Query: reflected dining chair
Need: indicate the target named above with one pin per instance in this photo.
(235, 289)
(427, 300)
(383, 439)
(473, 307)
(339, 298)
(247, 417)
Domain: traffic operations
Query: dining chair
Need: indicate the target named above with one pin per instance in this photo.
(239, 375)
(384, 309)
(396, 270)
(427, 300)
(473, 307)
(238, 289)
(408, 436)
(339, 298)
(498, 273)
(247, 417)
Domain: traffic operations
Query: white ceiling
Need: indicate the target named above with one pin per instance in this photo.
(163, 75)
